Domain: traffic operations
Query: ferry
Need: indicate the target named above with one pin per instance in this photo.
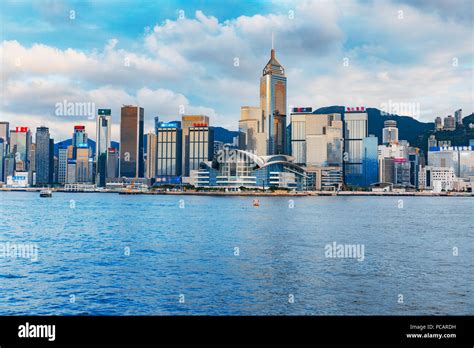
(46, 193)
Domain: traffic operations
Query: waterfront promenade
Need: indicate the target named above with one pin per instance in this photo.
(258, 193)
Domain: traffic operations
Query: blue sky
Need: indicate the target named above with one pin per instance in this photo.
(400, 51)
(47, 21)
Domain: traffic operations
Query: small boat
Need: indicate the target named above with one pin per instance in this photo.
(256, 203)
(46, 193)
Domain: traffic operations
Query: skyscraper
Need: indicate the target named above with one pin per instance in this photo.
(449, 123)
(113, 163)
(20, 143)
(458, 116)
(2, 158)
(131, 142)
(187, 122)
(103, 141)
(80, 136)
(298, 135)
(32, 164)
(71, 171)
(44, 156)
(4, 131)
(387, 170)
(390, 132)
(402, 171)
(273, 105)
(316, 144)
(415, 158)
(55, 167)
(157, 122)
(169, 149)
(200, 146)
(4, 139)
(104, 128)
(355, 121)
(150, 164)
(252, 128)
(82, 164)
(370, 160)
(62, 165)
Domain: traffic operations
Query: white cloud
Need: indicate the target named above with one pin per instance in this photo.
(190, 62)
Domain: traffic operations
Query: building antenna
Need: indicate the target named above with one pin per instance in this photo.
(272, 40)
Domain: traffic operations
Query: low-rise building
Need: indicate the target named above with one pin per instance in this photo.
(19, 180)
(236, 168)
(436, 179)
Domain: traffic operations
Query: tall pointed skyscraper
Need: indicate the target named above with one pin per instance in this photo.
(273, 104)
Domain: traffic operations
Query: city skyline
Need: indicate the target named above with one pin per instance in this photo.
(171, 73)
(306, 151)
(220, 166)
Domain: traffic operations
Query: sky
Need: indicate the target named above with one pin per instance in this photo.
(206, 57)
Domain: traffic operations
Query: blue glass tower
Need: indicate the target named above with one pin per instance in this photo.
(370, 160)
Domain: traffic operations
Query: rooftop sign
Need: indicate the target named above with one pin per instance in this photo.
(355, 109)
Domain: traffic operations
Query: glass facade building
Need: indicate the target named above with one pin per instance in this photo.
(199, 147)
(104, 128)
(80, 136)
(273, 105)
(82, 164)
(370, 160)
(20, 145)
(103, 142)
(5, 132)
(113, 163)
(402, 172)
(44, 154)
(132, 163)
(169, 149)
(62, 165)
(355, 130)
(236, 168)
(251, 128)
(390, 132)
(150, 162)
(298, 138)
(188, 122)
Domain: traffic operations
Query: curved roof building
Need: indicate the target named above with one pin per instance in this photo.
(235, 168)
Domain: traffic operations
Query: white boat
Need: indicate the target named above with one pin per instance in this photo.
(46, 193)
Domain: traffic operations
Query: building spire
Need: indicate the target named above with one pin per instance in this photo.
(273, 48)
(273, 66)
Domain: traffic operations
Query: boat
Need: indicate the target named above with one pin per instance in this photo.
(46, 193)
(256, 203)
(134, 189)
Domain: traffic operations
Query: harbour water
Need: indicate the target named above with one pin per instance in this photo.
(109, 254)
